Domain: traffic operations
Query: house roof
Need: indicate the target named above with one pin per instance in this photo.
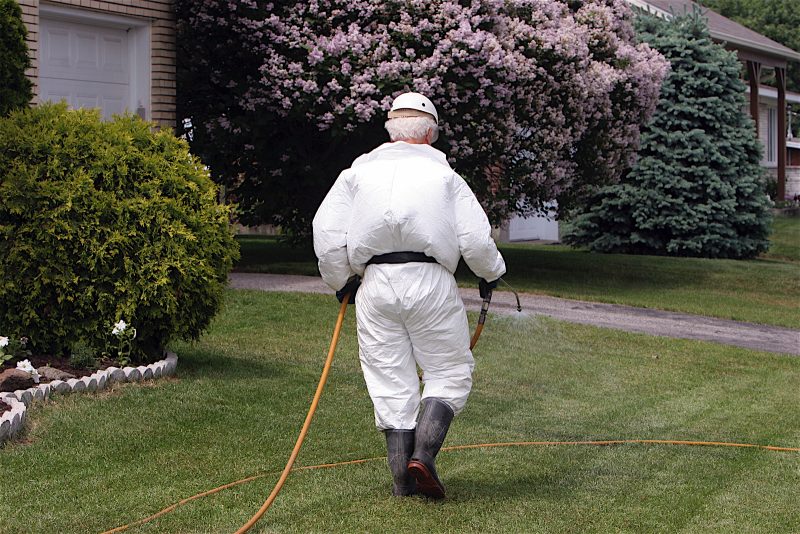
(771, 93)
(721, 28)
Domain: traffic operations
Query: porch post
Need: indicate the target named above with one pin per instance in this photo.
(754, 73)
(780, 78)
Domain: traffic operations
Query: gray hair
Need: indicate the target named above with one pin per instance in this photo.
(407, 128)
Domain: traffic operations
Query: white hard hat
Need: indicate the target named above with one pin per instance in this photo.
(405, 105)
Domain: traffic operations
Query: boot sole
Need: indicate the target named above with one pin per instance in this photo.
(426, 483)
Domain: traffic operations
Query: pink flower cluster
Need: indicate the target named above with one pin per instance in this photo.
(536, 98)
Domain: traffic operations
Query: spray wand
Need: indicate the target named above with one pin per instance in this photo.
(484, 310)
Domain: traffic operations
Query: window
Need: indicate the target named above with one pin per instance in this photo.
(771, 155)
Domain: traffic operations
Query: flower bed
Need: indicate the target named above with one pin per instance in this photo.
(13, 418)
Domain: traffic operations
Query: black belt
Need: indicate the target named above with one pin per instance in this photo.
(402, 257)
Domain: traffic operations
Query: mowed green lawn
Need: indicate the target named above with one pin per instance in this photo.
(785, 239)
(94, 462)
(765, 290)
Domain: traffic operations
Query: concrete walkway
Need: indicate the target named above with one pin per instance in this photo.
(628, 318)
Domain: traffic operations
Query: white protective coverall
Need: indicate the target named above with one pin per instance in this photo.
(406, 197)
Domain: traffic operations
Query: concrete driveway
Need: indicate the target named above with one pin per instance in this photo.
(628, 318)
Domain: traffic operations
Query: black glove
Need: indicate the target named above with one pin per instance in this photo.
(484, 287)
(350, 287)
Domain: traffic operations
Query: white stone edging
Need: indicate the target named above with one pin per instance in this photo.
(12, 421)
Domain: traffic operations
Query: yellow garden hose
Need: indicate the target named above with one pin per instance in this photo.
(610, 442)
(322, 379)
(481, 320)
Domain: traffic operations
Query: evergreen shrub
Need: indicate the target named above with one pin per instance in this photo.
(697, 188)
(15, 87)
(106, 221)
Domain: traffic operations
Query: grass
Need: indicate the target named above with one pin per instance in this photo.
(93, 462)
(765, 290)
(785, 238)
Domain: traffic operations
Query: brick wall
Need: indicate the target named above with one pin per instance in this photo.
(161, 15)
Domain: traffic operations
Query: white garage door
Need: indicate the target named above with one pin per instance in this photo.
(535, 228)
(86, 65)
(532, 229)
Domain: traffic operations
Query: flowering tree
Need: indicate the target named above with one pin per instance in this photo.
(538, 99)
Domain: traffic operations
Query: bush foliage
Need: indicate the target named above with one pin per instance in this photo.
(537, 100)
(15, 87)
(697, 188)
(102, 221)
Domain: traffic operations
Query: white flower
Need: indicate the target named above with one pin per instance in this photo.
(25, 365)
(119, 327)
(3, 341)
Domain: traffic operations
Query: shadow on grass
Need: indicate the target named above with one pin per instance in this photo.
(505, 486)
(196, 362)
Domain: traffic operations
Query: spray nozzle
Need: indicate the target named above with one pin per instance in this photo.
(519, 306)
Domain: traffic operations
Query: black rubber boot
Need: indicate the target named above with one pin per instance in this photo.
(434, 421)
(399, 446)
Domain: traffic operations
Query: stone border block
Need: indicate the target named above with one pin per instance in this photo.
(17, 417)
(76, 385)
(59, 386)
(146, 372)
(38, 393)
(46, 389)
(102, 379)
(132, 374)
(158, 369)
(171, 364)
(115, 374)
(5, 428)
(24, 395)
(91, 383)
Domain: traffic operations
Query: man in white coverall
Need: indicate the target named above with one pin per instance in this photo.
(398, 221)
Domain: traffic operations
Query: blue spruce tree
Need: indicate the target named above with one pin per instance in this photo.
(697, 188)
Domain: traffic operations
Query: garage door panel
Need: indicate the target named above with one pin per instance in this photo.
(112, 106)
(55, 48)
(86, 101)
(86, 51)
(110, 98)
(113, 54)
(53, 95)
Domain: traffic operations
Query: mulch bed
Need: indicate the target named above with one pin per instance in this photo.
(62, 364)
